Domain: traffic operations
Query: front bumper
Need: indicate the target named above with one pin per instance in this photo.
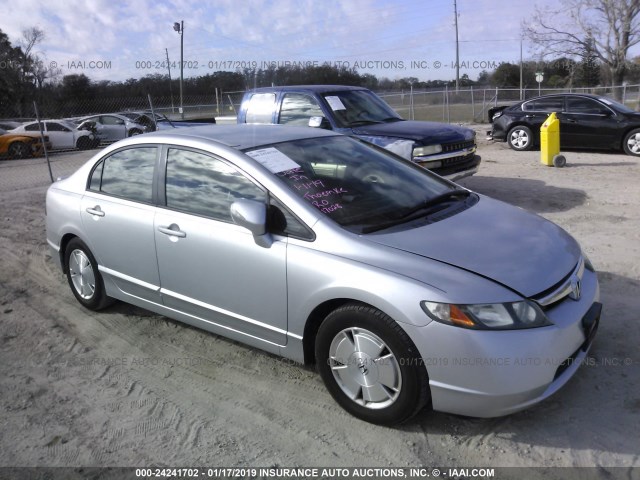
(482, 373)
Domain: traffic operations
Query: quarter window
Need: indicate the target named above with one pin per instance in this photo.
(203, 185)
(127, 174)
(32, 127)
(260, 108)
(297, 109)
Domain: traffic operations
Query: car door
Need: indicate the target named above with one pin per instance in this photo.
(114, 128)
(537, 110)
(587, 123)
(60, 136)
(210, 268)
(117, 213)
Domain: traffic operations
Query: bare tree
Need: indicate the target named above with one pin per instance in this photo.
(607, 28)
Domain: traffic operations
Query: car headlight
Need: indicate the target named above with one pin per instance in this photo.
(428, 150)
(496, 115)
(488, 316)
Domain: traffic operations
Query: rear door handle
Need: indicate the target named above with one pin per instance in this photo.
(172, 230)
(96, 211)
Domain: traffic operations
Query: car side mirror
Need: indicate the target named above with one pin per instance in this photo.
(252, 215)
(319, 122)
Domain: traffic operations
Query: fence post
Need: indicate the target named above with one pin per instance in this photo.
(153, 113)
(473, 107)
(44, 144)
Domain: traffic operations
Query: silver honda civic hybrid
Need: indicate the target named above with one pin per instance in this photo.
(403, 288)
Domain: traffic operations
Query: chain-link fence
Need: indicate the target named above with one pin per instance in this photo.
(471, 105)
(110, 119)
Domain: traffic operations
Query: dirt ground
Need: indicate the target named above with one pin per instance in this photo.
(125, 387)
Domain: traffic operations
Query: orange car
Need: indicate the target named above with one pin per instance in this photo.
(22, 145)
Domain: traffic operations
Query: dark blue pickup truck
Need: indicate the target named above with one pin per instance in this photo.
(448, 150)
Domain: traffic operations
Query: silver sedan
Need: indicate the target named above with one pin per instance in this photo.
(403, 288)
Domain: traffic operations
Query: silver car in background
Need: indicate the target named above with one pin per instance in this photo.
(403, 288)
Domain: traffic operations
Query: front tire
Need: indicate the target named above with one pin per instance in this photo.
(370, 365)
(83, 276)
(631, 143)
(19, 150)
(520, 138)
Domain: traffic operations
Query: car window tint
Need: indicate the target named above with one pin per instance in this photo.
(129, 174)
(108, 120)
(260, 108)
(585, 105)
(297, 108)
(55, 127)
(204, 185)
(552, 104)
(33, 127)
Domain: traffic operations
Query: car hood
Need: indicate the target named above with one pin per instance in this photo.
(509, 245)
(427, 133)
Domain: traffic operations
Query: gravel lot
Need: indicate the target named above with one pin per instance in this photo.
(126, 387)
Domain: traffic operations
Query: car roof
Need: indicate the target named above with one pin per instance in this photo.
(243, 136)
(309, 88)
(589, 95)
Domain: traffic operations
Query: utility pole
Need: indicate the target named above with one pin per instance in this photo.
(455, 18)
(179, 27)
(170, 88)
(521, 93)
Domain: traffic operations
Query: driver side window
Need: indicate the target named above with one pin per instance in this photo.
(297, 109)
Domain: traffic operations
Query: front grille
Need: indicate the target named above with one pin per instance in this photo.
(452, 147)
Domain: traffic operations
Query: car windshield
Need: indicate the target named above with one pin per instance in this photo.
(361, 187)
(353, 108)
(616, 105)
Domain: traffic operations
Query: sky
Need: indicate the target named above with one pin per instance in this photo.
(116, 40)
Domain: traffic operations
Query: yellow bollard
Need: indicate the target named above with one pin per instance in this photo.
(550, 143)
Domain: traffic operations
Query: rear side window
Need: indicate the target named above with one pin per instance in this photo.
(260, 108)
(127, 174)
(553, 104)
(206, 186)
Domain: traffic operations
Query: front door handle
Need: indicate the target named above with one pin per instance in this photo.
(172, 230)
(96, 211)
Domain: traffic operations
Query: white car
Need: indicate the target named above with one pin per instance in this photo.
(62, 134)
(112, 127)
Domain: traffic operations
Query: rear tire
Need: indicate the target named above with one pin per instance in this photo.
(134, 131)
(83, 276)
(83, 143)
(520, 138)
(631, 143)
(370, 365)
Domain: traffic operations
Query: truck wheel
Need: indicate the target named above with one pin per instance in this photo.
(520, 138)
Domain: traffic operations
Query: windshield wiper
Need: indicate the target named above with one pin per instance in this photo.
(420, 209)
(391, 119)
